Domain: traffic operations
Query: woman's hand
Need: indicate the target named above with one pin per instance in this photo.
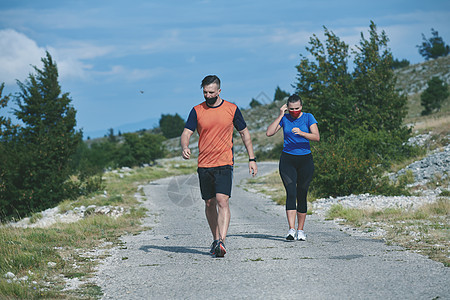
(275, 126)
(297, 130)
(313, 135)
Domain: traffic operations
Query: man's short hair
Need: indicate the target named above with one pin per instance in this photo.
(210, 79)
(294, 98)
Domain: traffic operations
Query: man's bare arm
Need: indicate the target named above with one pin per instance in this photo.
(247, 140)
(185, 137)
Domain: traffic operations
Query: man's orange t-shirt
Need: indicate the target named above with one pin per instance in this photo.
(215, 128)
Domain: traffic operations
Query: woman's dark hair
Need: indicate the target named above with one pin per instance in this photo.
(294, 98)
(210, 79)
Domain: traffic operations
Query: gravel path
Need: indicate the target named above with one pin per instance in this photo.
(171, 260)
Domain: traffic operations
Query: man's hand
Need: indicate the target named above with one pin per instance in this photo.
(185, 136)
(252, 168)
(186, 154)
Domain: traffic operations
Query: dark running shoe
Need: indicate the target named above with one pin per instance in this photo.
(220, 250)
(213, 247)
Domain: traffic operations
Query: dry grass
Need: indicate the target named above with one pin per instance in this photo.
(425, 230)
(439, 124)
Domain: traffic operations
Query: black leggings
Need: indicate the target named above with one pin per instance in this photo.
(296, 172)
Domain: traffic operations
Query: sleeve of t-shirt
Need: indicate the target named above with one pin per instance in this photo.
(311, 120)
(238, 120)
(191, 122)
(282, 121)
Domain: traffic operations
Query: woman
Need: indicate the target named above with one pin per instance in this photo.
(296, 162)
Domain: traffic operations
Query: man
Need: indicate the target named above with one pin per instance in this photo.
(214, 120)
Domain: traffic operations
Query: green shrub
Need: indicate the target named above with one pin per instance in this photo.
(340, 171)
(344, 166)
(432, 98)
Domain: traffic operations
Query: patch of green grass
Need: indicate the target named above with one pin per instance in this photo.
(257, 259)
(445, 193)
(406, 178)
(35, 217)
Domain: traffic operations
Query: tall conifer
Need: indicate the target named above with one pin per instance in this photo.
(48, 139)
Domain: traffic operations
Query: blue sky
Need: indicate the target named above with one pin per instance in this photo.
(109, 51)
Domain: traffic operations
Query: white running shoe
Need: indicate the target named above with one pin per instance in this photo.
(301, 236)
(291, 235)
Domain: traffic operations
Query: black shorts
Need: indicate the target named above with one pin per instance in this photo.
(215, 180)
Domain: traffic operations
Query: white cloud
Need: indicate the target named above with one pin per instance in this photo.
(71, 58)
(17, 54)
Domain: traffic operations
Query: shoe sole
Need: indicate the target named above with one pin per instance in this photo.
(221, 252)
(290, 238)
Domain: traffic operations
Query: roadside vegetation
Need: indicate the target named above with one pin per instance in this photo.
(424, 230)
(40, 263)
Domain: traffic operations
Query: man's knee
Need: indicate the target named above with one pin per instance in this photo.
(210, 203)
(222, 200)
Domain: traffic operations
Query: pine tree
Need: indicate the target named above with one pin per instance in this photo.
(365, 98)
(280, 94)
(254, 103)
(8, 157)
(379, 105)
(48, 139)
(325, 83)
(432, 98)
(433, 47)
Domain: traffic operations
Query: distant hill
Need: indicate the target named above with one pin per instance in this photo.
(131, 127)
(413, 79)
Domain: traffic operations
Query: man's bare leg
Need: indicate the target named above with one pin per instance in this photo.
(223, 215)
(211, 216)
